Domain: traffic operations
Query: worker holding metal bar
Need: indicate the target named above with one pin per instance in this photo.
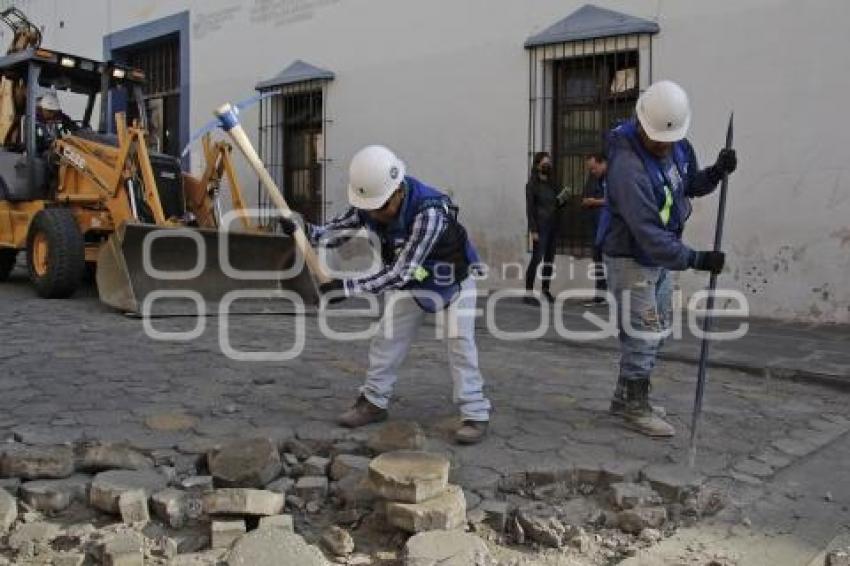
(652, 175)
(427, 264)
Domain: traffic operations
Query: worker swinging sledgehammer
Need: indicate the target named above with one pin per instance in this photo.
(427, 261)
(652, 175)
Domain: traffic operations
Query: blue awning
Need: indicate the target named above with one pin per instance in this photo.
(297, 72)
(591, 22)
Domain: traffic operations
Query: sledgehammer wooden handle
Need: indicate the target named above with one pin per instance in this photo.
(230, 123)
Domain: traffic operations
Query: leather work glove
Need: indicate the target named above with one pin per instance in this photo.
(727, 161)
(289, 225)
(712, 262)
(333, 290)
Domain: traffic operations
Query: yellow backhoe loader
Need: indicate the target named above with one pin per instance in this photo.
(72, 195)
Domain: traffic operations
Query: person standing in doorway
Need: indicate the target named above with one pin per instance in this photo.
(593, 201)
(541, 196)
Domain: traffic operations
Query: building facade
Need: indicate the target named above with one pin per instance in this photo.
(465, 90)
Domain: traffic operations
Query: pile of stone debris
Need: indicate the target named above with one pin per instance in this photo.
(353, 498)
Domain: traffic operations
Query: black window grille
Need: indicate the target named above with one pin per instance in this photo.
(292, 146)
(160, 61)
(579, 90)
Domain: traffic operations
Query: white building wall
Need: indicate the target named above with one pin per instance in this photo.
(445, 83)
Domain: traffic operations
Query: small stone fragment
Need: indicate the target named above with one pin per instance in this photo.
(635, 520)
(107, 487)
(37, 462)
(281, 485)
(628, 495)
(68, 559)
(277, 522)
(838, 558)
(445, 548)
(169, 505)
(345, 464)
(274, 547)
(52, 496)
(8, 511)
(650, 536)
(444, 512)
(397, 435)
(37, 533)
(240, 501)
(298, 449)
(133, 506)
(338, 541)
(316, 466)
(225, 533)
(544, 529)
(10, 485)
(673, 482)
(409, 477)
(495, 514)
(310, 488)
(99, 456)
(246, 463)
(123, 549)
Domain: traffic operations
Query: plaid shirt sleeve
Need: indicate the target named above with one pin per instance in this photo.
(428, 225)
(337, 231)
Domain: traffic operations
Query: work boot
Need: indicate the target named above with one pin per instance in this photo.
(638, 413)
(618, 408)
(362, 413)
(472, 432)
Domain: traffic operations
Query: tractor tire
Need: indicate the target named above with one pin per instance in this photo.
(8, 257)
(55, 253)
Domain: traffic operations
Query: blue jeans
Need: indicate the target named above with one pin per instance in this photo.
(644, 315)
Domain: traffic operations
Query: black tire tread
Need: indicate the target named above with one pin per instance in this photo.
(8, 257)
(66, 253)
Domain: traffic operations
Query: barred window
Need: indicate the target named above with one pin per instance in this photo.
(580, 86)
(292, 139)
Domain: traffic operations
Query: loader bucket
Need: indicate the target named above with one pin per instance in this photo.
(182, 264)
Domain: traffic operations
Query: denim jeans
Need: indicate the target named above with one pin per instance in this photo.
(644, 315)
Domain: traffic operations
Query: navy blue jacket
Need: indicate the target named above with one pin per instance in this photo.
(636, 229)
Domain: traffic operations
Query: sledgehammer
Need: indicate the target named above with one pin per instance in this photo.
(228, 119)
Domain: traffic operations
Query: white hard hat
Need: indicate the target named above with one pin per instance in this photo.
(373, 176)
(664, 112)
(49, 101)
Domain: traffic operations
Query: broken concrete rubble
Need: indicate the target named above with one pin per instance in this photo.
(409, 477)
(247, 463)
(224, 533)
(36, 462)
(241, 501)
(133, 506)
(338, 541)
(269, 547)
(444, 512)
(52, 496)
(446, 548)
(107, 487)
(101, 456)
(8, 511)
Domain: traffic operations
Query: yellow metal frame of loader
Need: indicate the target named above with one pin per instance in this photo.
(92, 183)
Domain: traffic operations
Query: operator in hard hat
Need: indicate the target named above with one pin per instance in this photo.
(427, 260)
(652, 175)
(50, 122)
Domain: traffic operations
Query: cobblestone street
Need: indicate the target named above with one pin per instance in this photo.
(73, 370)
